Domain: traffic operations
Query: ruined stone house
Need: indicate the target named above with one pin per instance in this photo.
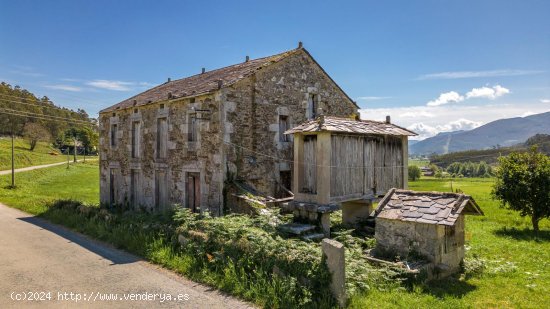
(424, 225)
(179, 142)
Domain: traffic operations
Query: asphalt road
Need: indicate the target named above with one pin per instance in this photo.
(37, 257)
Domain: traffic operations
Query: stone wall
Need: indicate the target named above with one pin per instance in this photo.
(441, 245)
(239, 137)
(167, 173)
(256, 153)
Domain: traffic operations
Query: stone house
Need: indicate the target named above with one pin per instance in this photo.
(179, 142)
(424, 225)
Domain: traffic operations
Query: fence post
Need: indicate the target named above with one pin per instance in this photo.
(333, 252)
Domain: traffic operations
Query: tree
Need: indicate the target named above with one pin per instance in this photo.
(34, 133)
(414, 172)
(523, 184)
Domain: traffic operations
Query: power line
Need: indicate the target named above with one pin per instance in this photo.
(34, 99)
(37, 105)
(43, 117)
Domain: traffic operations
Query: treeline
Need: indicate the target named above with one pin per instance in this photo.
(490, 156)
(469, 169)
(23, 114)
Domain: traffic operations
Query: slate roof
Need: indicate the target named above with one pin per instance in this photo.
(346, 125)
(208, 81)
(426, 207)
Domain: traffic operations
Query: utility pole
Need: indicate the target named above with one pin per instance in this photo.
(12, 162)
(68, 157)
(74, 152)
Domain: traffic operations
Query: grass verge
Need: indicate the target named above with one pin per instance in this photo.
(42, 154)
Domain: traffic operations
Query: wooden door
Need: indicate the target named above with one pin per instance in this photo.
(193, 192)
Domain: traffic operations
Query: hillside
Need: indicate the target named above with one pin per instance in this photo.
(499, 133)
(19, 106)
(42, 154)
(542, 141)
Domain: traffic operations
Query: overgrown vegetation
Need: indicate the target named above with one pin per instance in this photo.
(506, 265)
(523, 184)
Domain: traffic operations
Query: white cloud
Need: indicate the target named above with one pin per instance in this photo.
(424, 131)
(64, 87)
(474, 74)
(445, 98)
(118, 85)
(372, 98)
(110, 84)
(435, 119)
(460, 124)
(545, 100)
(487, 92)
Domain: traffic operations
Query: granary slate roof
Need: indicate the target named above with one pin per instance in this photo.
(426, 207)
(207, 82)
(346, 125)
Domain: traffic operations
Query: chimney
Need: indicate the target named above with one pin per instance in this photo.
(300, 44)
(247, 59)
(169, 80)
(388, 119)
(203, 70)
(135, 102)
(220, 83)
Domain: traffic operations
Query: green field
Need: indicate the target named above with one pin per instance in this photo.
(36, 188)
(24, 157)
(513, 265)
(419, 162)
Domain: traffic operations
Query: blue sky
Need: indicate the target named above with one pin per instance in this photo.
(431, 65)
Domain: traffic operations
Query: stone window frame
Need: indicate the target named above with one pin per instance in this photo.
(193, 145)
(161, 113)
(113, 132)
(284, 125)
(313, 102)
(135, 141)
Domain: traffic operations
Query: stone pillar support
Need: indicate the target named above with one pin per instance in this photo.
(333, 253)
(355, 211)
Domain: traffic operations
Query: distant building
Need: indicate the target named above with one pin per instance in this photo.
(427, 225)
(427, 171)
(179, 142)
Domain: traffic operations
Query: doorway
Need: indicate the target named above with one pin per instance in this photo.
(193, 192)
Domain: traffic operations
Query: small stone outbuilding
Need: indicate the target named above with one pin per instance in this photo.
(424, 225)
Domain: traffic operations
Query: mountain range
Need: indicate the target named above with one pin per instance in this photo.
(498, 133)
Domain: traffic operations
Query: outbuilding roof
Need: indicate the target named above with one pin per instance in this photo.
(209, 81)
(346, 125)
(426, 207)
